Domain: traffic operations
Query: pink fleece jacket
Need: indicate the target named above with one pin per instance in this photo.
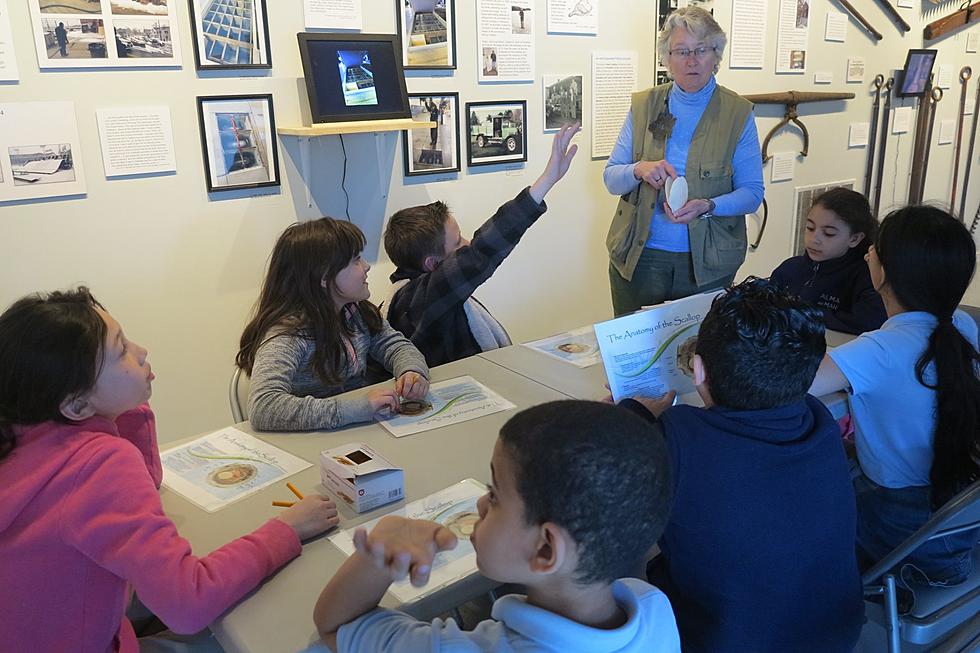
(81, 517)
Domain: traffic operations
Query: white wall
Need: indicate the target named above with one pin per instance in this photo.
(181, 270)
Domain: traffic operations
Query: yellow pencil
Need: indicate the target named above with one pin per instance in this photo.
(283, 504)
(292, 488)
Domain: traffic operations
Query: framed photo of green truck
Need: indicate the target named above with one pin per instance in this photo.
(497, 132)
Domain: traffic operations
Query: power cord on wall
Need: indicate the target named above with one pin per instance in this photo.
(343, 181)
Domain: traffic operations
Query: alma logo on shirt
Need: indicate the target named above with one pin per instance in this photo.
(828, 301)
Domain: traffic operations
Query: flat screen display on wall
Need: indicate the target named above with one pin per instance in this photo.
(353, 77)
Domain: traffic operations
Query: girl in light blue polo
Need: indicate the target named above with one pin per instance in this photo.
(915, 392)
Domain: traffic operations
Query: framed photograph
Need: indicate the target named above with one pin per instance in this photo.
(230, 34)
(238, 137)
(427, 31)
(562, 100)
(497, 132)
(435, 150)
(353, 76)
(916, 73)
(105, 33)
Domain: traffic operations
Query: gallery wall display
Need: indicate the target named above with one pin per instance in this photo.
(238, 138)
(496, 132)
(427, 31)
(40, 153)
(435, 150)
(105, 33)
(230, 34)
(353, 77)
(562, 100)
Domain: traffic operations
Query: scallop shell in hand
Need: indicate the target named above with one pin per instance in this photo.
(676, 191)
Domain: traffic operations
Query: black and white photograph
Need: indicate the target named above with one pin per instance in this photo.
(434, 150)
(427, 31)
(230, 34)
(41, 164)
(802, 14)
(238, 137)
(490, 62)
(74, 38)
(140, 7)
(520, 17)
(562, 100)
(797, 59)
(496, 132)
(143, 38)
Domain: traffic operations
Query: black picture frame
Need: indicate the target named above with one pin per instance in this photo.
(245, 139)
(412, 162)
(230, 40)
(916, 72)
(425, 53)
(387, 83)
(484, 137)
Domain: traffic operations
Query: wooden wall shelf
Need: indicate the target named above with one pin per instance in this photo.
(355, 127)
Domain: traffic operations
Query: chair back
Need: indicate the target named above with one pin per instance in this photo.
(238, 395)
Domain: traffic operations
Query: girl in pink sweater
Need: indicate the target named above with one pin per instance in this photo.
(81, 519)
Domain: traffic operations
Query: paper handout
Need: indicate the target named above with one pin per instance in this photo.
(650, 352)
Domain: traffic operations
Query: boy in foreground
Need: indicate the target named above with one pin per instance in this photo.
(758, 554)
(580, 492)
(438, 270)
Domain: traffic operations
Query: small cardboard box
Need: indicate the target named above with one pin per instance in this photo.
(361, 476)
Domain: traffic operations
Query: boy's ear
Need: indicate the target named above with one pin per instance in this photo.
(700, 374)
(553, 548)
(76, 408)
(430, 263)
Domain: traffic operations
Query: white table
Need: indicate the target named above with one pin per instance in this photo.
(587, 382)
(277, 617)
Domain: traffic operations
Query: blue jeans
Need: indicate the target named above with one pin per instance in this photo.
(888, 516)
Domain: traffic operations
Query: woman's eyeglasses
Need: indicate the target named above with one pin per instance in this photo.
(683, 53)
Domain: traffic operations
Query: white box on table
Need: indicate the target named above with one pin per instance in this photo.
(360, 476)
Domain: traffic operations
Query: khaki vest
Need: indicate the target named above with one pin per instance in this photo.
(718, 243)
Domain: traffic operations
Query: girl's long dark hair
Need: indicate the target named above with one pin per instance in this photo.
(50, 349)
(293, 297)
(929, 257)
(853, 208)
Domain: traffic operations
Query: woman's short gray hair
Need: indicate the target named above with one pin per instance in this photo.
(698, 22)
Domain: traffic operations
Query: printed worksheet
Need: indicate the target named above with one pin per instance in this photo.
(650, 352)
(222, 467)
(578, 347)
(448, 402)
(454, 508)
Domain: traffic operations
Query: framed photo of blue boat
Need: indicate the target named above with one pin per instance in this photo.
(238, 139)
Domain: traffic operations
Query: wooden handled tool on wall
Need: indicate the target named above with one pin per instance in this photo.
(873, 135)
(791, 99)
(956, 20)
(861, 19)
(969, 152)
(897, 17)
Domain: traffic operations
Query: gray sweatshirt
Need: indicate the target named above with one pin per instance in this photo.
(286, 395)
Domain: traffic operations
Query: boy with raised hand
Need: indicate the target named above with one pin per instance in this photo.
(758, 554)
(438, 270)
(580, 492)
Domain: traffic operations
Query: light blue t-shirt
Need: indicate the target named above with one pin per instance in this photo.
(518, 627)
(894, 414)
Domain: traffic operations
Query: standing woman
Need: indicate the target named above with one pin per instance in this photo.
(694, 128)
